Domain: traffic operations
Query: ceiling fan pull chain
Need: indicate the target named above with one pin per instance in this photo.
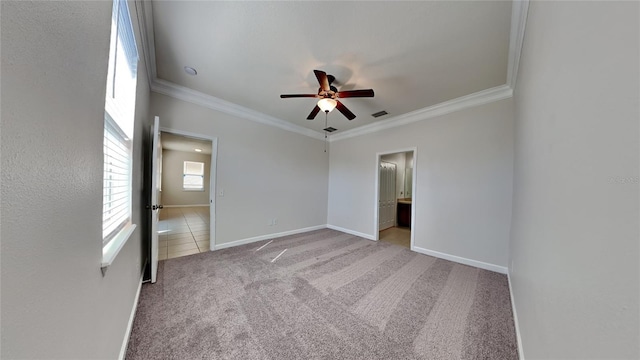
(325, 132)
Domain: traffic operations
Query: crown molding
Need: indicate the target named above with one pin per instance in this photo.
(518, 20)
(145, 28)
(196, 97)
(479, 98)
(519, 11)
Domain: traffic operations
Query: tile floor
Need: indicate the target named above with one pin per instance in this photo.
(397, 235)
(183, 231)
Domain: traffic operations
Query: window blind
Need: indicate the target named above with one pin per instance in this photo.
(116, 202)
(126, 38)
(118, 123)
(193, 175)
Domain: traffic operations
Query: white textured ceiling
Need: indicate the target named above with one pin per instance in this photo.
(413, 54)
(184, 143)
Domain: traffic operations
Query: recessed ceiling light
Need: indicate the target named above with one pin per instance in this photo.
(190, 70)
(197, 150)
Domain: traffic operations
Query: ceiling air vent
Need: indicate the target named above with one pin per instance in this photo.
(379, 113)
(330, 129)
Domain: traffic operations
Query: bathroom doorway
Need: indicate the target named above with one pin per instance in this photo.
(395, 197)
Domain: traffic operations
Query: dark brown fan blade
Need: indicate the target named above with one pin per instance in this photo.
(322, 79)
(313, 113)
(355, 93)
(298, 96)
(346, 112)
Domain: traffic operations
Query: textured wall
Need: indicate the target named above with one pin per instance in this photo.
(462, 190)
(55, 301)
(574, 247)
(172, 170)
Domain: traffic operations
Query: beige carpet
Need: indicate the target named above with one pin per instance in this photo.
(328, 296)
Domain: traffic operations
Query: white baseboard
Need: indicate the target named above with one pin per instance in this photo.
(515, 319)
(181, 206)
(461, 260)
(125, 342)
(266, 237)
(356, 233)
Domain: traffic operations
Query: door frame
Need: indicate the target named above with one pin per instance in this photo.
(212, 177)
(376, 211)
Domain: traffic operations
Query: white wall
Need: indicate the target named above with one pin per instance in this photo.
(574, 244)
(265, 172)
(462, 192)
(172, 175)
(55, 301)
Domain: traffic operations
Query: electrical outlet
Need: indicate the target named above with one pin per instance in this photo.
(275, 221)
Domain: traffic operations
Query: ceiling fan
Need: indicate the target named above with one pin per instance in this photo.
(329, 96)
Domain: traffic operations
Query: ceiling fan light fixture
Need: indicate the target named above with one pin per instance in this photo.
(327, 104)
(328, 95)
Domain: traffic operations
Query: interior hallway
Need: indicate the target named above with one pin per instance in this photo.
(183, 231)
(397, 235)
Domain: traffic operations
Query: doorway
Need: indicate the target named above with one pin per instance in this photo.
(395, 197)
(186, 180)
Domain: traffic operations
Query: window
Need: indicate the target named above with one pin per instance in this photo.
(193, 176)
(118, 124)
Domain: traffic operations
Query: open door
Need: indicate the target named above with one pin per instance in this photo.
(154, 207)
(387, 196)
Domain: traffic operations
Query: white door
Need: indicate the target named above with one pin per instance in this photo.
(387, 196)
(156, 152)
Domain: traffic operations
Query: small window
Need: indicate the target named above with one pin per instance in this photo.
(193, 176)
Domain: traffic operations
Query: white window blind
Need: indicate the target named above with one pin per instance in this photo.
(118, 123)
(117, 179)
(193, 175)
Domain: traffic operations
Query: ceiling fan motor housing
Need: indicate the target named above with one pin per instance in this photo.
(331, 93)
